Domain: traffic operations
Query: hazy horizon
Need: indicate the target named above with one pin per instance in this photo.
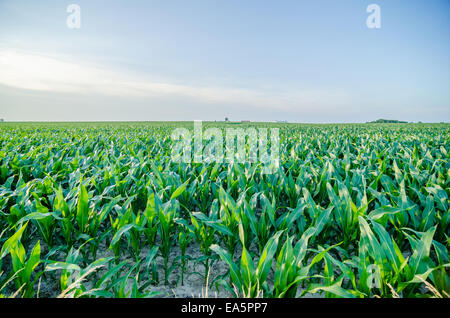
(300, 61)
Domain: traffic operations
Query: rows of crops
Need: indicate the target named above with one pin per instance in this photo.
(99, 210)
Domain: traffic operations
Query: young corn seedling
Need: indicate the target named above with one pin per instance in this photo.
(73, 276)
(46, 225)
(246, 280)
(167, 214)
(203, 231)
(319, 217)
(152, 221)
(67, 267)
(230, 216)
(287, 220)
(66, 224)
(291, 268)
(346, 213)
(22, 266)
(82, 214)
(184, 238)
(167, 228)
(121, 288)
(392, 267)
(129, 225)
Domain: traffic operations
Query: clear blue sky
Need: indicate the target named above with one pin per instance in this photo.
(302, 61)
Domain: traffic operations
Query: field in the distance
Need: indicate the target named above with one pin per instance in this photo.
(100, 210)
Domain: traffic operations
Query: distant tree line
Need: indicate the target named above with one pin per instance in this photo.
(387, 121)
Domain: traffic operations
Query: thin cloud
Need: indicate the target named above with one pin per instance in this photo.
(44, 73)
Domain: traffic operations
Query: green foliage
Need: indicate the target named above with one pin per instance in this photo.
(100, 210)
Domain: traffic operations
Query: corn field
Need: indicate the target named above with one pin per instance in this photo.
(100, 210)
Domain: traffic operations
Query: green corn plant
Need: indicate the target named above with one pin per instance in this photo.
(184, 239)
(103, 286)
(129, 225)
(267, 220)
(230, 216)
(346, 213)
(167, 214)
(289, 271)
(132, 226)
(318, 216)
(120, 285)
(22, 266)
(151, 266)
(263, 224)
(60, 205)
(67, 267)
(394, 269)
(152, 222)
(167, 228)
(46, 223)
(286, 221)
(202, 230)
(246, 280)
(82, 214)
(338, 278)
(73, 276)
(291, 267)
